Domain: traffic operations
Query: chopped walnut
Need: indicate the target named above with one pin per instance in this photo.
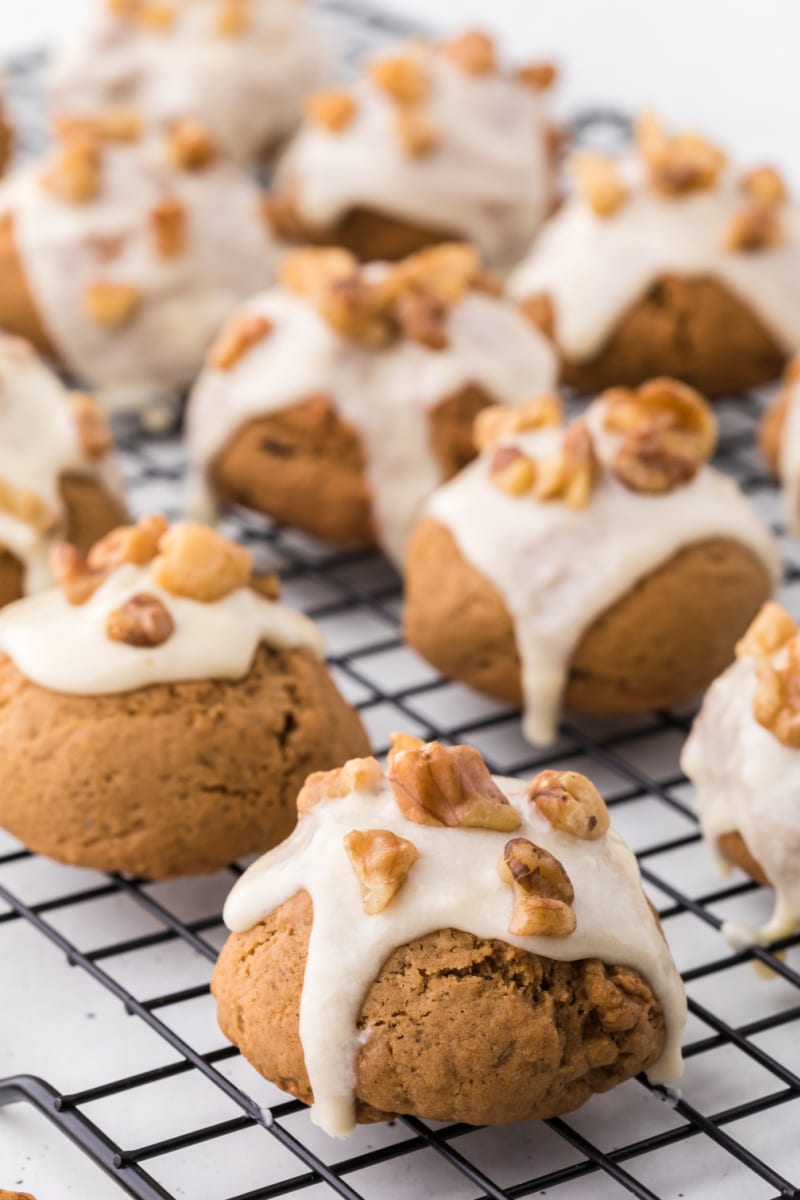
(543, 892)
(664, 405)
(168, 227)
(419, 137)
(189, 146)
(655, 462)
(599, 183)
(311, 269)
(143, 620)
(571, 474)
(137, 544)
(197, 562)
(401, 76)
(242, 332)
(91, 423)
(160, 18)
(28, 507)
(677, 165)
(765, 186)
(332, 110)
(398, 742)
(353, 305)
(571, 803)
(473, 51)
(753, 228)
(111, 304)
(423, 318)
(512, 471)
(233, 18)
(438, 785)
(447, 271)
(776, 701)
(113, 125)
(381, 861)
(74, 176)
(72, 574)
(539, 76)
(498, 421)
(357, 775)
(771, 629)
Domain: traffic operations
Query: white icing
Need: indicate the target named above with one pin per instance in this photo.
(247, 89)
(38, 445)
(229, 255)
(748, 781)
(489, 181)
(385, 394)
(789, 458)
(453, 884)
(557, 569)
(65, 648)
(595, 269)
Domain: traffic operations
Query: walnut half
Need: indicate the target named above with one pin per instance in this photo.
(571, 803)
(543, 892)
(771, 629)
(381, 861)
(144, 621)
(448, 785)
(776, 701)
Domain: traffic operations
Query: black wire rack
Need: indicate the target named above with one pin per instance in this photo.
(166, 1109)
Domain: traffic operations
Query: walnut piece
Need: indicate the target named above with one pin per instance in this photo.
(111, 304)
(113, 125)
(448, 785)
(474, 52)
(664, 405)
(357, 775)
(398, 742)
(168, 227)
(74, 176)
(401, 76)
(771, 629)
(599, 183)
(571, 474)
(242, 332)
(677, 165)
(646, 462)
(159, 18)
(512, 471)
(28, 507)
(571, 803)
(498, 421)
(197, 562)
(423, 318)
(543, 892)
(233, 18)
(540, 76)
(332, 110)
(418, 136)
(764, 185)
(142, 621)
(381, 861)
(754, 227)
(446, 271)
(189, 146)
(776, 700)
(137, 544)
(91, 424)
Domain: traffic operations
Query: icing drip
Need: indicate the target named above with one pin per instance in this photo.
(386, 395)
(746, 780)
(65, 647)
(595, 268)
(557, 569)
(453, 884)
(65, 248)
(789, 461)
(248, 89)
(488, 181)
(38, 445)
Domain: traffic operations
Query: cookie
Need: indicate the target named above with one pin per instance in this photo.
(159, 711)
(244, 70)
(743, 757)
(338, 401)
(668, 262)
(58, 478)
(431, 143)
(436, 942)
(602, 566)
(114, 256)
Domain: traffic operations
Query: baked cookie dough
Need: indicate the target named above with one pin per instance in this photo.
(602, 566)
(669, 262)
(160, 710)
(431, 143)
(338, 401)
(124, 251)
(242, 67)
(58, 478)
(438, 942)
(743, 756)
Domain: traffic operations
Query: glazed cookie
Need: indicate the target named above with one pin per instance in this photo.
(671, 262)
(159, 711)
(743, 756)
(431, 143)
(338, 401)
(602, 566)
(439, 942)
(123, 253)
(57, 473)
(242, 67)
(779, 438)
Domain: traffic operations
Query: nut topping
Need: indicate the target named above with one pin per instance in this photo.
(381, 861)
(473, 52)
(419, 137)
(447, 271)
(111, 304)
(569, 476)
(233, 18)
(755, 227)
(74, 176)
(539, 76)
(423, 318)
(168, 227)
(94, 433)
(142, 621)
(498, 421)
(764, 185)
(771, 629)
(599, 183)
(197, 562)
(27, 507)
(189, 146)
(401, 76)
(242, 332)
(512, 471)
(158, 17)
(332, 110)
(571, 803)
(543, 892)
(677, 165)
(137, 544)
(438, 785)
(113, 125)
(776, 701)
(647, 462)
(357, 775)
(669, 431)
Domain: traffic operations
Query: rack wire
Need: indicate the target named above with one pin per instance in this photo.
(188, 1108)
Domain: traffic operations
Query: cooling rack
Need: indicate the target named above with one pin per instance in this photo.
(117, 1080)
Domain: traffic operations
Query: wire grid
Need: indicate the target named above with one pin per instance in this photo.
(740, 1099)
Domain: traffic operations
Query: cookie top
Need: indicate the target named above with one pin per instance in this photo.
(743, 756)
(564, 521)
(136, 243)
(438, 135)
(45, 432)
(438, 843)
(387, 344)
(243, 67)
(676, 206)
(149, 604)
